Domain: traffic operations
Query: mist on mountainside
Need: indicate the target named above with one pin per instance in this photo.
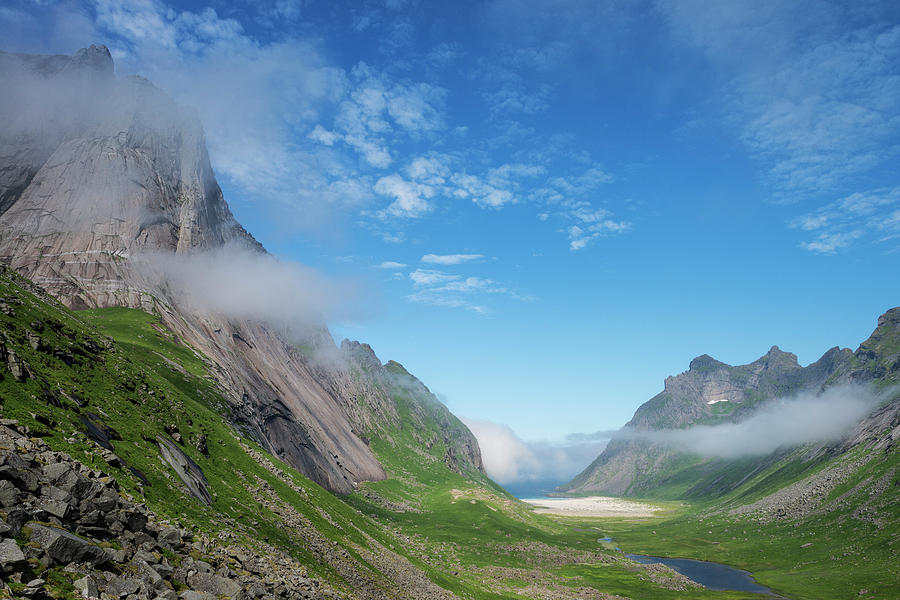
(803, 419)
(529, 468)
(246, 284)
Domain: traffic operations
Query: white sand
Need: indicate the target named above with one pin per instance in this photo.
(592, 506)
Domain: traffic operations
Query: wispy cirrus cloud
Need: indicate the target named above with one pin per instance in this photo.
(409, 198)
(392, 265)
(427, 179)
(377, 111)
(450, 259)
(440, 288)
(873, 215)
(568, 199)
(813, 90)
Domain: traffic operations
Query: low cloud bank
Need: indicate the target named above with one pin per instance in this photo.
(803, 419)
(509, 460)
(241, 283)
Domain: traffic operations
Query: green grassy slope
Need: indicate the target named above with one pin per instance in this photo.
(425, 524)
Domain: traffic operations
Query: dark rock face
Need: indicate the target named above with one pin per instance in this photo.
(98, 173)
(186, 469)
(713, 392)
(64, 547)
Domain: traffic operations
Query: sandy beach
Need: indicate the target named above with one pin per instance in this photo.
(592, 506)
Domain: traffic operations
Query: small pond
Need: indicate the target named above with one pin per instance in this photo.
(715, 576)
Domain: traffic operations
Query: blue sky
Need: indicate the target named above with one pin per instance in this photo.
(550, 206)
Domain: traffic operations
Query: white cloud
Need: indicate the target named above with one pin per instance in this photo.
(568, 199)
(323, 136)
(425, 277)
(814, 90)
(480, 192)
(805, 419)
(432, 170)
(242, 283)
(509, 460)
(839, 224)
(450, 259)
(592, 225)
(389, 264)
(375, 112)
(438, 288)
(410, 198)
(830, 243)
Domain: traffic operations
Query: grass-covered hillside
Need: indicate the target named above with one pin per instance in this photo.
(818, 521)
(123, 396)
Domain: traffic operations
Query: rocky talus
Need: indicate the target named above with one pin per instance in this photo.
(57, 514)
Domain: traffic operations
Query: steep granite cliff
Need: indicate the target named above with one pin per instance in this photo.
(99, 175)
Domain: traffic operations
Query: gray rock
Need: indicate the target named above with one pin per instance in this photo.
(167, 595)
(150, 558)
(107, 500)
(55, 493)
(195, 595)
(9, 495)
(171, 536)
(147, 572)
(202, 566)
(56, 508)
(187, 470)
(257, 589)
(164, 569)
(116, 556)
(218, 586)
(16, 518)
(11, 556)
(64, 547)
(87, 587)
(120, 587)
(33, 588)
(21, 476)
(55, 471)
(74, 483)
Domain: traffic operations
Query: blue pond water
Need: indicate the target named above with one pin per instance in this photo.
(715, 576)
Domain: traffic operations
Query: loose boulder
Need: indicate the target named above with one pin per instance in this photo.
(64, 547)
(11, 556)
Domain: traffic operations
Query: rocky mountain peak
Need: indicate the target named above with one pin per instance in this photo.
(362, 354)
(891, 318)
(705, 363)
(97, 170)
(776, 358)
(95, 58)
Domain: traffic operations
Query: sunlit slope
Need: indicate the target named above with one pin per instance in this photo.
(436, 527)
